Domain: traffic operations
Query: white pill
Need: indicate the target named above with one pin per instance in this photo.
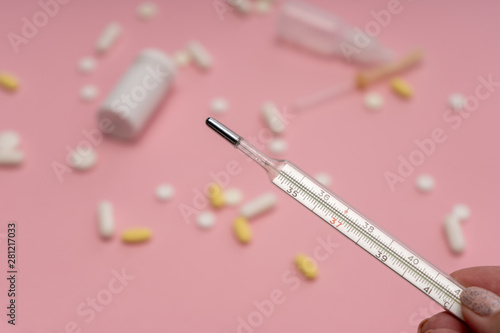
(374, 101)
(425, 183)
(273, 118)
(232, 196)
(456, 101)
(108, 37)
(462, 211)
(258, 205)
(106, 219)
(165, 192)
(219, 105)
(11, 157)
(89, 93)
(454, 233)
(182, 58)
(324, 178)
(9, 140)
(205, 220)
(83, 159)
(136, 97)
(243, 6)
(277, 146)
(146, 10)
(262, 6)
(200, 55)
(86, 65)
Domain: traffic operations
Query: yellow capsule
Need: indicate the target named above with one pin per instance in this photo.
(401, 87)
(8, 81)
(306, 266)
(136, 235)
(242, 230)
(216, 196)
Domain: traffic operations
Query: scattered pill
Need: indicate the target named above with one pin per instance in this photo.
(243, 6)
(425, 183)
(306, 266)
(258, 205)
(219, 105)
(86, 65)
(108, 37)
(374, 101)
(136, 235)
(456, 101)
(233, 196)
(9, 81)
(277, 146)
(148, 79)
(262, 6)
(11, 157)
(9, 140)
(182, 58)
(273, 117)
(83, 159)
(216, 195)
(106, 219)
(401, 87)
(454, 233)
(461, 211)
(242, 230)
(205, 220)
(165, 192)
(88, 93)
(200, 55)
(324, 178)
(146, 10)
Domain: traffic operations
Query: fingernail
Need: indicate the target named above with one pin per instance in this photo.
(481, 301)
(422, 323)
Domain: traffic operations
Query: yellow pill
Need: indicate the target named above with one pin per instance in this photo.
(136, 235)
(8, 81)
(242, 230)
(401, 87)
(216, 195)
(306, 266)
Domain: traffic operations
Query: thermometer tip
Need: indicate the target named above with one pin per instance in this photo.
(223, 131)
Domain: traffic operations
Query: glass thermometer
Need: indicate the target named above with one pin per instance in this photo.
(339, 215)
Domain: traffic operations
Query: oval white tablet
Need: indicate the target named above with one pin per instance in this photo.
(233, 196)
(425, 183)
(88, 93)
(272, 117)
(374, 101)
(258, 205)
(106, 219)
(107, 38)
(83, 159)
(205, 220)
(165, 192)
(324, 178)
(11, 157)
(9, 139)
(200, 55)
(462, 211)
(86, 65)
(456, 101)
(454, 233)
(277, 146)
(219, 105)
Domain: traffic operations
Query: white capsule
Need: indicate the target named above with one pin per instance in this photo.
(462, 211)
(273, 117)
(454, 233)
(324, 178)
(165, 192)
(277, 146)
(89, 93)
(425, 183)
(11, 157)
(86, 65)
(106, 219)
(259, 205)
(108, 37)
(9, 140)
(83, 159)
(232, 196)
(456, 101)
(200, 55)
(205, 220)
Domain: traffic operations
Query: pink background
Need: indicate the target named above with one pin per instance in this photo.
(191, 280)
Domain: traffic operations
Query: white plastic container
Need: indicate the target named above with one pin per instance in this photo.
(322, 32)
(134, 99)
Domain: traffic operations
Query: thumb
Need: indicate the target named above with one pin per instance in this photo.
(481, 310)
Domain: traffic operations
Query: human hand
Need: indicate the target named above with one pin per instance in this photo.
(480, 304)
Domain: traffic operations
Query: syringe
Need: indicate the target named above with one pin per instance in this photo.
(338, 214)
